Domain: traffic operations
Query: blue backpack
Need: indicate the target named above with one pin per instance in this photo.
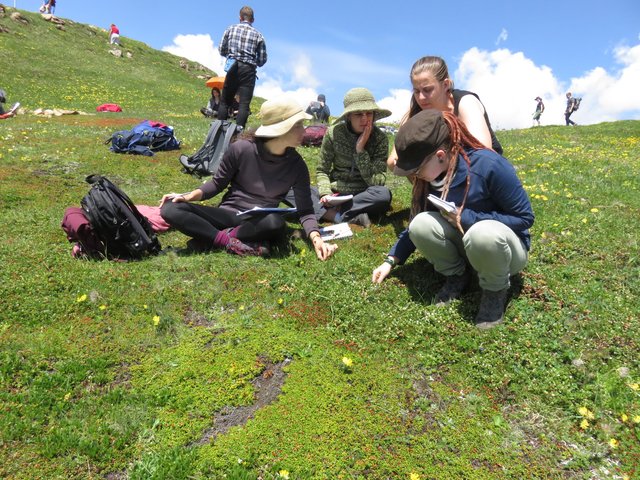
(144, 139)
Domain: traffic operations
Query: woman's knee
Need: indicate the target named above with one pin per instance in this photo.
(171, 211)
(425, 226)
(485, 238)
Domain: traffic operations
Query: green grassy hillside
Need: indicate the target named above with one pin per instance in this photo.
(186, 366)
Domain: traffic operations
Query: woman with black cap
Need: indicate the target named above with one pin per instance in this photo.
(482, 217)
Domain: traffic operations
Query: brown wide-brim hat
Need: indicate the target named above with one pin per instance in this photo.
(361, 100)
(420, 136)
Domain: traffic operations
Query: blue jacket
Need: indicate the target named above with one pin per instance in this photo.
(495, 193)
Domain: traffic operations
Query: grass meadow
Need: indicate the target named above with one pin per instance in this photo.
(200, 366)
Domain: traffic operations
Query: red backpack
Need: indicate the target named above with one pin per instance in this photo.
(108, 107)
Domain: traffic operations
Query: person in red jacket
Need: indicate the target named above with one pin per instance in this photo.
(114, 35)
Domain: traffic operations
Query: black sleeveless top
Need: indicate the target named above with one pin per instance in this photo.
(457, 96)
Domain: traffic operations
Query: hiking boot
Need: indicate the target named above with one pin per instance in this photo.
(361, 219)
(453, 287)
(236, 247)
(492, 306)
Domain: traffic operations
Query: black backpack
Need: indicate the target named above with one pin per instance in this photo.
(125, 232)
(207, 160)
(576, 104)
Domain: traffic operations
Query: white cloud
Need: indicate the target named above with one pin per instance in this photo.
(198, 48)
(502, 37)
(397, 102)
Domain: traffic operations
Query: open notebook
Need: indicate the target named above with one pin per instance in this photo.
(334, 232)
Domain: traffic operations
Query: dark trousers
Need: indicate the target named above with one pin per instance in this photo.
(203, 222)
(568, 120)
(374, 201)
(240, 79)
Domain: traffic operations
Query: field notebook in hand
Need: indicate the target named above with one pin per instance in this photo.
(448, 207)
(334, 232)
(266, 210)
(333, 200)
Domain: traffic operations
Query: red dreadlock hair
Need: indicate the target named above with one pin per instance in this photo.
(459, 139)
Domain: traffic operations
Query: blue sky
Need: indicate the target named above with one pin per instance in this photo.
(506, 51)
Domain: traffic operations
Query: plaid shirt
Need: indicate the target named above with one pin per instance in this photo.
(244, 43)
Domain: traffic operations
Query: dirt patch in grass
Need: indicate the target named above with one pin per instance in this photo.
(268, 385)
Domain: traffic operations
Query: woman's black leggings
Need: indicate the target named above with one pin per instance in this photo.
(204, 223)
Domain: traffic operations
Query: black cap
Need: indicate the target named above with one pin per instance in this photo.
(419, 137)
(321, 98)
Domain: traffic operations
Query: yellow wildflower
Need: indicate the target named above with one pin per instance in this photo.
(67, 397)
(594, 210)
(280, 301)
(585, 412)
(102, 307)
(636, 419)
(634, 386)
(347, 362)
(584, 424)
(241, 308)
(584, 220)
(414, 476)
(81, 298)
(613, 443)
(624, 417)
(283, 474)
(156, 320)
(145, 306)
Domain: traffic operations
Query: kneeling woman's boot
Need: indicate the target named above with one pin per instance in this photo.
(492, 306)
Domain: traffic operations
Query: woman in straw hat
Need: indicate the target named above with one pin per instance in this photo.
(486, 227)
(433, 88)
(259, 171)
(352, 162)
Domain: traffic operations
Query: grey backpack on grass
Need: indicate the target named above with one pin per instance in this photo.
(205, 162)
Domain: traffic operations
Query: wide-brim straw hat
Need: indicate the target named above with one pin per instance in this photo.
(361, 100)
(278, 116)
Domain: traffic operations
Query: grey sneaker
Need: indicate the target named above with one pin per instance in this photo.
(492, 306)
(361, 219)
(453, 287)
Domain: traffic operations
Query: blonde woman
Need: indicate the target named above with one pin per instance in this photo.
(433, 88)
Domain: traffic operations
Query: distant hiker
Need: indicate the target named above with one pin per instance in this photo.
(433, 88)
(485, 228)
(114, 35)
(211, 110)
(572, 106)
(245, 49)
(49, 6)
(353, 162)
(259, 170)
(539, 110)
(319, 109)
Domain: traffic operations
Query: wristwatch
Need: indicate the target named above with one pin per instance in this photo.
(390, 260)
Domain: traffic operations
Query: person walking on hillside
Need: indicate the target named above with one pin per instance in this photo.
(114, 35)
(246, 50)
(571, 107)
(539, 109)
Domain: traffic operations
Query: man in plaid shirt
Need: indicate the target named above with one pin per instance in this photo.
(245, 45)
